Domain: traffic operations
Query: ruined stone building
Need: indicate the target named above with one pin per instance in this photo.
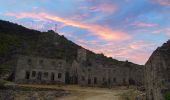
(31, 69)
(157, 73)
(36, 69)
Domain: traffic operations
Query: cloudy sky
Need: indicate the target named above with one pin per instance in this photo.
(122, 29)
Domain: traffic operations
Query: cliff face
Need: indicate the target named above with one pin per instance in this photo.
(157, 73)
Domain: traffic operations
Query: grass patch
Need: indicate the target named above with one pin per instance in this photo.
(6, 68)
(167, 95)
(130, 95)
(2, 84)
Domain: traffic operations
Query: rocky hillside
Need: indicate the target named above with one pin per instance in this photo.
(16, 39)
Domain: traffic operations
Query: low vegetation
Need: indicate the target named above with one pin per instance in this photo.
(3, 83)
(130, 95)
(167, 95)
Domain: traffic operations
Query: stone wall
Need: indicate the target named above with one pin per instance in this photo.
(98, 75)
(136, 75)
(37, 69)
(32, 69)
(157, 75)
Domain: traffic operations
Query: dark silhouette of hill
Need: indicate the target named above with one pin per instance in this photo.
(16, 39)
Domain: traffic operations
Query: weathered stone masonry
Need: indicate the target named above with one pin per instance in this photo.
(32, 69)
(36, 69)
(157, 73)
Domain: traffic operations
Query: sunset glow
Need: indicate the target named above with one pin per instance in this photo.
(122, 29)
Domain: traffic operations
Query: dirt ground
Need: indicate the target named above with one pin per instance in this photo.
(94, 94)
(87, 93)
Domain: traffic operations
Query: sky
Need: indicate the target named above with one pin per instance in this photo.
(123, 29)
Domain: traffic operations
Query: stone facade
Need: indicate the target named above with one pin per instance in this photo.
(136, 75)
(36, 69)
(157, 74)
(99, 75)
(31, 69)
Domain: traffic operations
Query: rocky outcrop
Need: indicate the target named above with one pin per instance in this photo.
(157, 73)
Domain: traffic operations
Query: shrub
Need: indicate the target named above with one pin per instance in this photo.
(167, 95)
(2, 83)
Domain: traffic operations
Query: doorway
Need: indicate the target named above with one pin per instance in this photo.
(75, 79)
(52, 76)
(39, 76)
(27, 75)
(67, 78)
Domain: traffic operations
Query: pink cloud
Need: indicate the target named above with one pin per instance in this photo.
(167, 31)
(106, 8)
(157, 31)
(143, 24)
(137, 52)
(79, 16)
(163, 2)
(27, 15)
(127, 0)
(100, 31)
